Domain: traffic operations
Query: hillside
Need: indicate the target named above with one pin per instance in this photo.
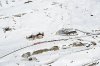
(49, 33)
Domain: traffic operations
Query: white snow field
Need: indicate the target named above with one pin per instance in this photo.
(21, 18)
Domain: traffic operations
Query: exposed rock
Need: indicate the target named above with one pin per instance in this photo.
(26, 55)
(32, 59)
(40, 51)
(67, 32)
(7, 29)
(54, 48)
(93, 43)
(78, 44)
(37, 36)
(27, 2)
(31, 37)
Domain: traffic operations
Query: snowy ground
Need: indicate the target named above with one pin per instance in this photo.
(27, 17)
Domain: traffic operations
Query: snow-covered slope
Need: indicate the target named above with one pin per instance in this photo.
(26, 17)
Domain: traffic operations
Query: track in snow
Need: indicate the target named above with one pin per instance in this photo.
(41, 43)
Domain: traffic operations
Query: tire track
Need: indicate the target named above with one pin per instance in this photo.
(65, 54)
(33, 45)
(40, 43)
